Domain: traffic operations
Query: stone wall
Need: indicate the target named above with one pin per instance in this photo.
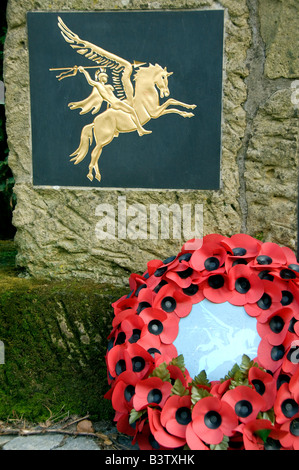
(56, 234)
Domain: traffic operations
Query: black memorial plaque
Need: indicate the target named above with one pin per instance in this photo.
(100, 79)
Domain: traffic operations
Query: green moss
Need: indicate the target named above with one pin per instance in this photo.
(54, 335)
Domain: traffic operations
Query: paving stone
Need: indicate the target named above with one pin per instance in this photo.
(48, 442)
(79, 443)
(5, 439)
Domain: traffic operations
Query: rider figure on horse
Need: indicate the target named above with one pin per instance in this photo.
(106, 93)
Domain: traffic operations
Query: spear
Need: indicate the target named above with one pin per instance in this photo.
(70, 71)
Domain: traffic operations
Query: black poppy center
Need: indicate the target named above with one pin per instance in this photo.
(129, 392)
(264, 259)
(160, 271)
(265, 302)
(138, 364)
(155, 327)
(211, 263)
(191, 290)
(186, 273)
(120, 367)
(287, 298)
(153, 351)
(259, 386)
(154, 396)
(185, 257)
(243, 408)
(242, 285)
(287, 274)
(289, 408)
(216, 282)
(277, 352)
(239, 251)
(276, 324)
(135, 336)
(142, 306)
(183, 415)
(168, 304)
(294, 427)
(121, 338)
(272, 444)
(212, 419)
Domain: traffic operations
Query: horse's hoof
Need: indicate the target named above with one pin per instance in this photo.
(144, 132)
(98, 177)
(90, 177)
(188, 115)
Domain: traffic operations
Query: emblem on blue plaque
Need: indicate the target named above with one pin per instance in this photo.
(115, 89)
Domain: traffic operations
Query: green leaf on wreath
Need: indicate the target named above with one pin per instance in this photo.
(201, 379)
(246, 364)
(179, 362)
(162, 372)
(263, 434)
(179, 389)
(135, 415)
(198, 393)
(223, 445)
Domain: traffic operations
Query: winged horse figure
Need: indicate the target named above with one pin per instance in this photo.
(128, 108)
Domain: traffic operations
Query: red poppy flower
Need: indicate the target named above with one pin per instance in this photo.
(151, 391)
(176, 373)
(208, 259)
(216, 288)
(291, 358)
(270, 255)
(267, 304)
(285, 406)
(129, 330)
(123, 426)
(136, 282)
(138, 360)
(193, 441)
(245, 285)
(253, 431)
(115, 360)
(157, 270)
(245, 401)
(194, 292)
(123, 392)
(192, 245)
(264, 384)
(176, 415)
(125, 303)
(241, 245)
(160, 433)
(270, 357)
(291, 439)
(146, 440)
(168, 353)
(294, 385)
(120, 316)
(289, 296)
(182, 275)
(169, 299)
(212, 418)
(219, 388)
(159, 323)
(276, 327)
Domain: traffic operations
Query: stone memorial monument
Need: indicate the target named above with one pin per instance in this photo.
(98, 199)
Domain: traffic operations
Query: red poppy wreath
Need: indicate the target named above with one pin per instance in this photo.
(217, 282)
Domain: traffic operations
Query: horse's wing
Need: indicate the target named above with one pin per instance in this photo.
(121, 68)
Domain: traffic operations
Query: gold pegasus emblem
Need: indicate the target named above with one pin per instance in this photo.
(128, 108)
